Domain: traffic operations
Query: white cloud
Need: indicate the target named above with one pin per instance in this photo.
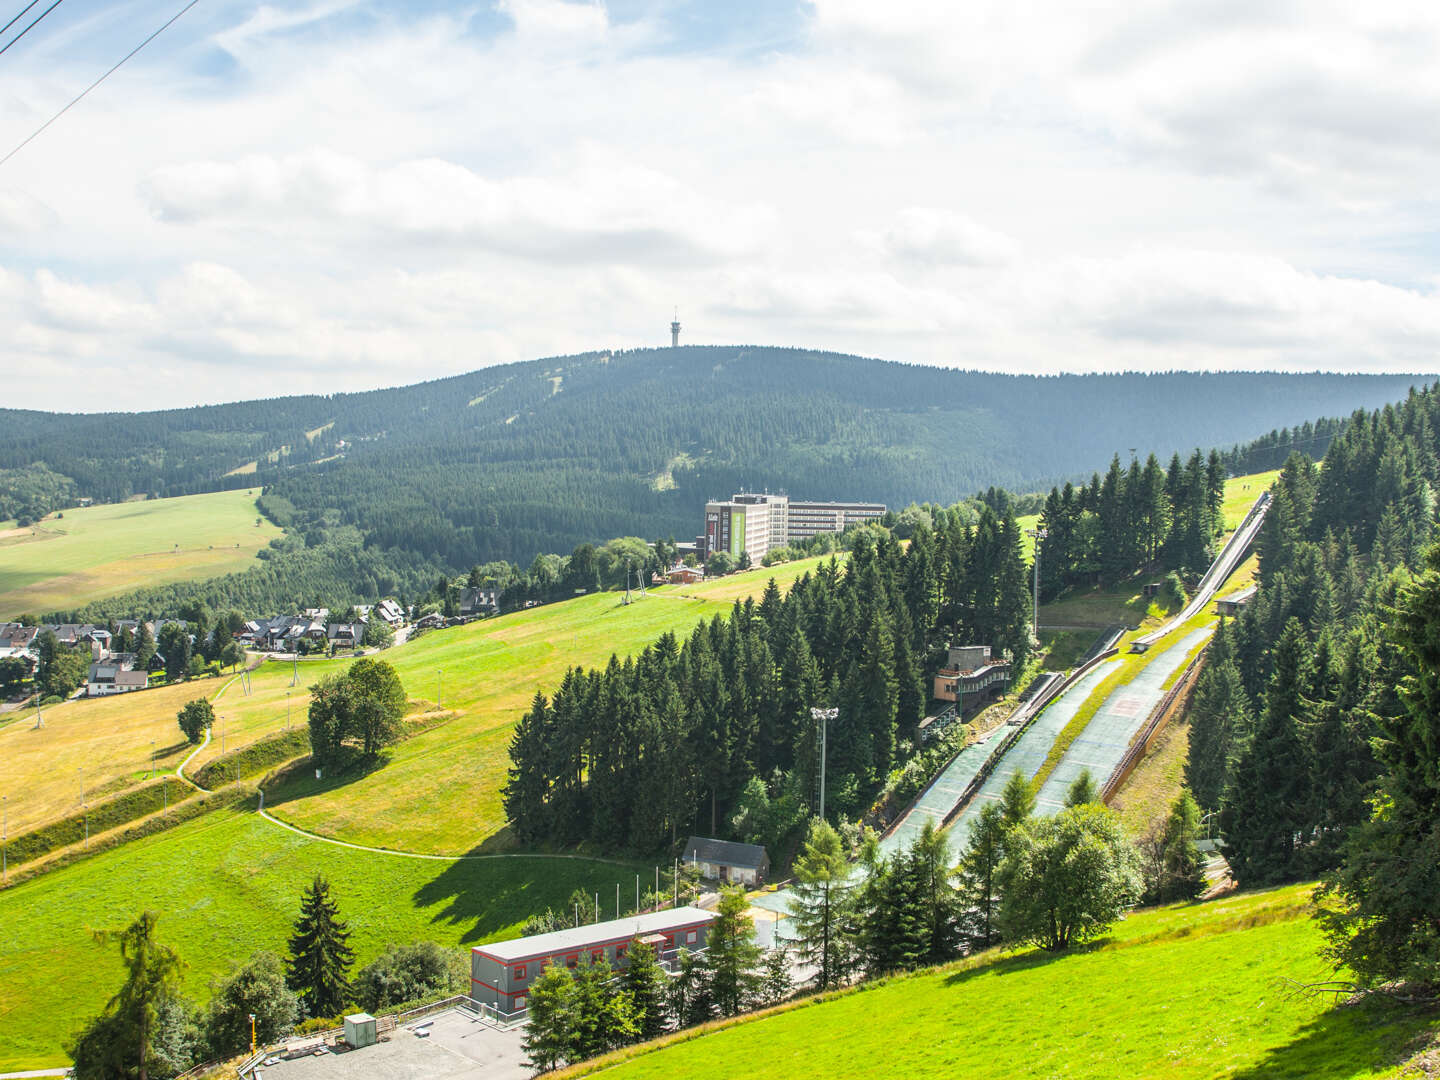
(342, 194)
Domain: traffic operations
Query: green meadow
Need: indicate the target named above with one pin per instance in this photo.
(229, 883)
(67, 561)
(439, 792)
(1183, 992)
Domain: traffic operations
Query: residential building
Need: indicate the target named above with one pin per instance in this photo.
(754, 524)
(501, 973)
(344, 635)
(479, 602)
(116, 675)
(970, 676)
(391, 612)
(726, 862)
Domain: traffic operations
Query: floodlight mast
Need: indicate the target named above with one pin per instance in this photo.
(1038, 534)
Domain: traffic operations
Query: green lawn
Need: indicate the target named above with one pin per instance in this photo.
(66, 562)
(1183, 992)
(440, 792)
(230, 883)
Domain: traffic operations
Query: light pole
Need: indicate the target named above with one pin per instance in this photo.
(823, 717)
(252, 1033)
(1040, 533)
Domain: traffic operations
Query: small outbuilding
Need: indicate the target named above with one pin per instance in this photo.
(745, 864)
(1236, 602)
(360, 1030)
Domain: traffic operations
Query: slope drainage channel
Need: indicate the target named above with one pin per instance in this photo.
(1030, 750)
(1105, 739)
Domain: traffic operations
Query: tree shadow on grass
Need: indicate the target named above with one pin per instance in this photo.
(489, 895)
(296, 780)
(1025, 961)
(1346, 1041)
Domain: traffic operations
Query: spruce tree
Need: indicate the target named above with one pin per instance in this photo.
(979, 876)
(1383, 923)
(1082, 790)
(819, 905)
(731, 955)
(644, 980)
(1219, 723)
(1264, 808)
(552, 1021)
(320, 954)
(1017, 800)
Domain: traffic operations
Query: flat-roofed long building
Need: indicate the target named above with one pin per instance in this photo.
(501, 973)
(754, 523)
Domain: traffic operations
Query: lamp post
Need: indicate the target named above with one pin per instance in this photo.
(252, 1033)
(1039, 534)
(823, 717)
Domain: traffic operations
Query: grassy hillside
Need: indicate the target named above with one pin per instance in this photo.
(230, 883)
(440, 792)
(1182, 992)
(451, 777)
(64, 562)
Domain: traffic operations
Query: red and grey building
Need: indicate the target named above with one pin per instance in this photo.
(501, 973)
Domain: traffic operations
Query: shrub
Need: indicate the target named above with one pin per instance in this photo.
(408, 972)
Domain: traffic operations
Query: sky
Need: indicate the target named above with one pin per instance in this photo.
(312, 197)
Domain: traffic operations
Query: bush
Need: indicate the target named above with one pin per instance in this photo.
(1172, 592)
(409, 972)
(256, 988)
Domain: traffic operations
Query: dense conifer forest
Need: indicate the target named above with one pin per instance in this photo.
(1300, 689)
(642, 751)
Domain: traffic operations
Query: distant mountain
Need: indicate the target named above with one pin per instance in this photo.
(509, 461)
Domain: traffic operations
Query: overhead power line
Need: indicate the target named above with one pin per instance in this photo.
(81, 96)
(32, 26)
(17, 18)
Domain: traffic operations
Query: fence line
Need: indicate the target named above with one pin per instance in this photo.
(1159, 716)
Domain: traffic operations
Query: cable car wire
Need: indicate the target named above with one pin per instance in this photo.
(32, 26)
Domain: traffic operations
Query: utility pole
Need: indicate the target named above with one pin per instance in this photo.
(823, 717)
(1040, 533)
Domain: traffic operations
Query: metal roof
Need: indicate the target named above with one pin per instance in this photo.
(724, 851)
(580, 937)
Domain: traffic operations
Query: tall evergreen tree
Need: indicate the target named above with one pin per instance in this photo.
(731, 955)
(1219, 723)
(320, 954)
(819, 906)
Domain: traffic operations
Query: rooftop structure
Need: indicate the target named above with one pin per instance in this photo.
(969, 676)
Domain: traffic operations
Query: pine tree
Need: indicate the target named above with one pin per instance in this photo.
(552, 1020)
(320, 954)
(1219, 723)
(979, 876)
(1082, 790)
(731, 955)
(645, 981)
(1264, 808)
(1017, 800)
(819, 905)
(775, 982)
(1383, 923)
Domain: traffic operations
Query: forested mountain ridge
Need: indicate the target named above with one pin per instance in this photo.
(509, 461)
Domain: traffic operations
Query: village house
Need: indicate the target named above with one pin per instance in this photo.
(724, 861)
(115, 675)
(479, 602)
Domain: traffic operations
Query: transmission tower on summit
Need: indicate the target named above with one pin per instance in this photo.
(675, 330)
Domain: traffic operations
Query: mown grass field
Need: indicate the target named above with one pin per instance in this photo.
(230, 883)
(98, 551)
(103, 742)
(1182, 992)
(440, 792)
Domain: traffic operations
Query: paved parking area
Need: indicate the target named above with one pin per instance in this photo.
(458, 1045)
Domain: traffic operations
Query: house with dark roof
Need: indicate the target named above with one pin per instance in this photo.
(725, 861)
(479, 602)
(115, 675)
